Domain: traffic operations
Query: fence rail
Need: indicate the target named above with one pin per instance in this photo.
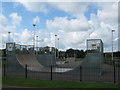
(109, 74)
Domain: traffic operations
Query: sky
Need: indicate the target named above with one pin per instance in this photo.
(72, 22)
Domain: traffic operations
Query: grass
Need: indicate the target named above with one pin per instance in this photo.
(117, 65)
(63, 59)
(79, 59)
(35, 83)
(2, 63)
(114, 58)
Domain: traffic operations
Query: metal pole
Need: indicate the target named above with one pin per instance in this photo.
(87, 45)
(58, 48)
(112, 57)
(34, 36)
(26, 71)
(4, 68)
(51, 72)
(114, 74)
(80, 73)
(9, 36)
(37, 42)
(55, 46)
(112, 43)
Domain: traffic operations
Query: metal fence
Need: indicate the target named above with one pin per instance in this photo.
(109, 73)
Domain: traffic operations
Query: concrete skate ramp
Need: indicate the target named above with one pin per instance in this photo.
(31, 61)
(92, 64)
(93, 60)
(33, 64)
(46, 60)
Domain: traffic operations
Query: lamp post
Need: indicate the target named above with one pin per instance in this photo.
(34, 36)
(50, 49)
(58, 48)
(9, 36)
(114, 75)
(37, 42)
(112, 43)
(55, 45)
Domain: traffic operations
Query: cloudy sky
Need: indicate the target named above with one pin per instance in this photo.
(73, 22)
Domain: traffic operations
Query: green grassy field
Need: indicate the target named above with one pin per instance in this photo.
(2, 63)
(114, 58)
(79, 59)
(33, 83)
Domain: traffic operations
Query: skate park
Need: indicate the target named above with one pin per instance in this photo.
(24, 61)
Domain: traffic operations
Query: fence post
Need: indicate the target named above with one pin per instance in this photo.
(4, 68)
(51, 72)
(26, 71)
(80, 73)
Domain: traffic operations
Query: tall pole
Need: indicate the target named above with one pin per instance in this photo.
(58, 48)
(34, 36)
(37, 42)
(114, 75)
(55, 45)
(9, 36)
(112, 43)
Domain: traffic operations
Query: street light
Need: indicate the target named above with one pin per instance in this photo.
(34, 36)
(58, 48)
(37, 42)
(9, 36)
(112, 43)
(112, 57)
(55, 45)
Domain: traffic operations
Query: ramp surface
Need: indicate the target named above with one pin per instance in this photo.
(31, 62)
(93, 63)
(46, 59)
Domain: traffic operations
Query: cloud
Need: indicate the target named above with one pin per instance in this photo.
(35, 6)
(6, 29)
(62, 24)
(16, 19)
(3, 20)
(72, 32)
(102, 28)
(36, 20)
(108, 12)
(76, 9)
(26, 37)
(68, 7)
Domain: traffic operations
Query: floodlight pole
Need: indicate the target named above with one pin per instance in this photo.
(114, 75)
(58, 48)
(112, 43)
(9, 36)
(37, 42)
(34, 36)
(55, 45)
